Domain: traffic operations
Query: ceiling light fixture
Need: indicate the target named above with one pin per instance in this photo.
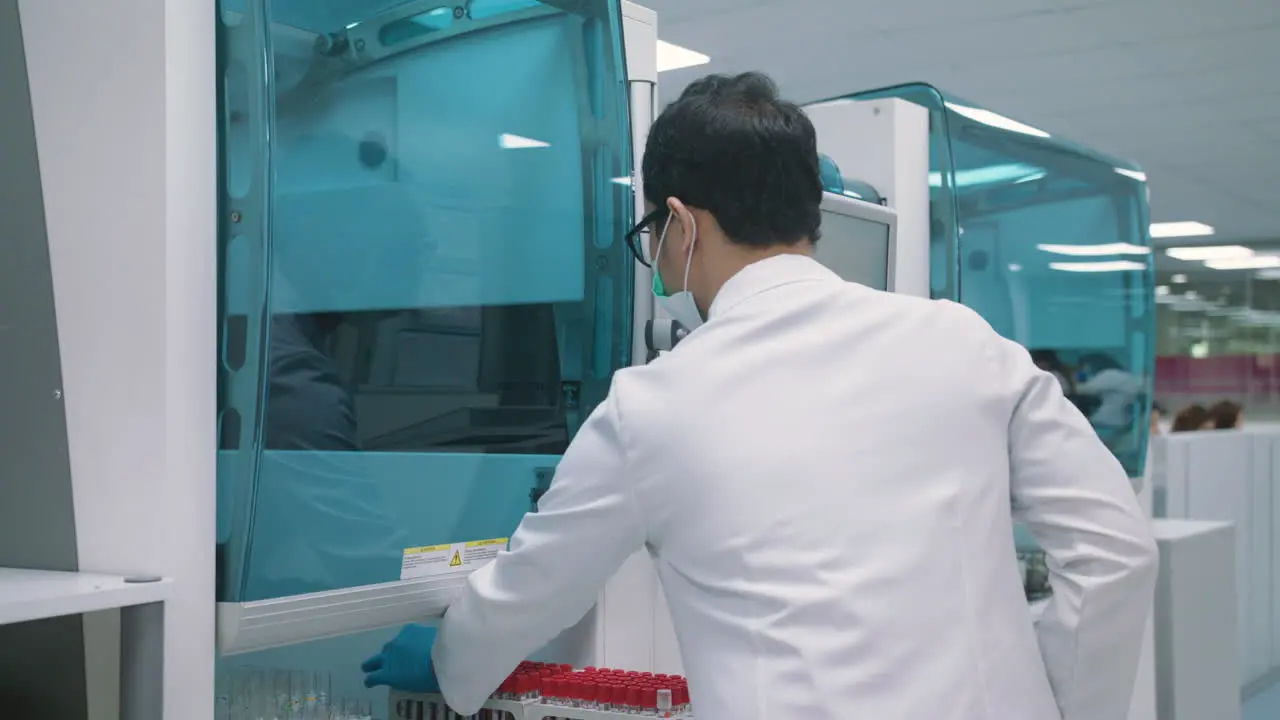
(996, 120)
(674, 57)
(1105, 266)
(1209, 252)
(507, 141)
(1095, 250)
(1187, 228)
(1008, 173)
(1256, 262)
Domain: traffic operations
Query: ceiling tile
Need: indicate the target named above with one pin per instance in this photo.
(1247, 51)
(1186, 88)
(1145, 21)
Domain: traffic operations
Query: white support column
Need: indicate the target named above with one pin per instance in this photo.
(123, 99)
(624, 619)
(886, 143)
(640, 35)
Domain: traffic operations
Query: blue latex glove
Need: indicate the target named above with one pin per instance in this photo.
(405, 662)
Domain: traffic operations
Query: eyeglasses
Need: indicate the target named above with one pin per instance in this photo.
(639, 236)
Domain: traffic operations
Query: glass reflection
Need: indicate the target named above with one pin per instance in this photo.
(421, 292)
(1219, 336)
(1049, 242)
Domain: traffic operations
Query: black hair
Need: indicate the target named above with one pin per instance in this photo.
(730, 146)
(1225, 415)
(1046, 358)
(1190, 419)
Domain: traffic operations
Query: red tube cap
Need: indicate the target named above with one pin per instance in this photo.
(650, 699)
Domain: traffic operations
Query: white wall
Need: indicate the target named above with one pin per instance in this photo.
(123, 100)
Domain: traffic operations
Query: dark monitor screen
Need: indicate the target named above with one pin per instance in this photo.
(858, 241)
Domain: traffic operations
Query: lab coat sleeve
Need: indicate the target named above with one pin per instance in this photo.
(560, 557)
(1076, 500)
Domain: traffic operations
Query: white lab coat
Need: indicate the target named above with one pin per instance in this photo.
(823, 474)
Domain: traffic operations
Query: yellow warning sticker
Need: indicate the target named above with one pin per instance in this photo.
(452, 559)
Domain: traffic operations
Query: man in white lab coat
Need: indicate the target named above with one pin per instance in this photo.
(829, 505)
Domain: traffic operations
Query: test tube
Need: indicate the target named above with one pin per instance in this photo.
(633, 699)
(259, 683)
(351, 709)
(236, 700)
(297, 689)
(324, 686)
(665, 704)
(222, 697)
(598, 693)
(650, 706)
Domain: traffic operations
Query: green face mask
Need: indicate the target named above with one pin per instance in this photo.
(659, 290)
(681, 306)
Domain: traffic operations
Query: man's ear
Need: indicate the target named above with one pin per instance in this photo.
(680, 213)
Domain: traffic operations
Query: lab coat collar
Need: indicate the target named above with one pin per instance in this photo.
(764, 275)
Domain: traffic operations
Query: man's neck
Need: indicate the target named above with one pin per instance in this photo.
(743, 257)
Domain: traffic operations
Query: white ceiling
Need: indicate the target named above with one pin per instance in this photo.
(1188, 89)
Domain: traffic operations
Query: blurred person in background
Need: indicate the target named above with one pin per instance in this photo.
(1192, 418)
(1227, 415)
(1115, 389)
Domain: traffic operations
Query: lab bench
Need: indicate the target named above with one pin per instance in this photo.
(30, 595)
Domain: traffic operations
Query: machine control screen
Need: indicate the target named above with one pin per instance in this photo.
(857, 241)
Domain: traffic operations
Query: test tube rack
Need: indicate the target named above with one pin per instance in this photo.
(429, 706)
(547, 691)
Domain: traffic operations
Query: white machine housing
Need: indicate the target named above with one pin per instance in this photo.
(128, 174)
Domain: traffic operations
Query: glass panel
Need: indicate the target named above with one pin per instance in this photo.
(1052, 247)
(422, 291)
(1219, 330)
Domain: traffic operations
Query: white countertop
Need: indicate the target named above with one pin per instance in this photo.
(38, 594)
(1174, 529)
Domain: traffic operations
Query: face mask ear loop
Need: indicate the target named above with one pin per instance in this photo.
(661, 239)
(689, 263)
